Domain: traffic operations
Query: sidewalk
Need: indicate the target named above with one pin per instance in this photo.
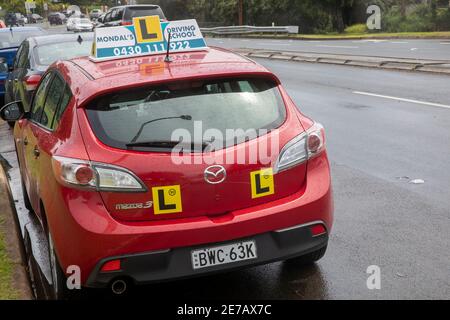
(419, 65)
(15, 284)
(14, 280)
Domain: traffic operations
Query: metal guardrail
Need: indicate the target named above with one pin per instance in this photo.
(249, 29)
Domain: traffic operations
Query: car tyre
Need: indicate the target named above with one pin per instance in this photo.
(308, 258)
(59, 285)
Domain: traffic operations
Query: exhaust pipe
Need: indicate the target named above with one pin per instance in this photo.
(119, 287)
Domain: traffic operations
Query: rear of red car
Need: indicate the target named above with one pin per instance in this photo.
(184, 177)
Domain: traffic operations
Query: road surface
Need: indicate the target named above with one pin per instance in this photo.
(377, 146)
(434, 49)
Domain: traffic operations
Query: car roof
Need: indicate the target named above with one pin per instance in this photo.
(88, 78)
(137, 5)
(153, 6)
(65, 37)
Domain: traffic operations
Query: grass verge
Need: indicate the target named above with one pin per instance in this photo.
(396, 35)
(6, 270)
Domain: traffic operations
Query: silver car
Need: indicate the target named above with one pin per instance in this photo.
(79, 24)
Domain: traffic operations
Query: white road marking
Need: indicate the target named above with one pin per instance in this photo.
(402, 99)
(274, 44)
(414, 49)
(399, 42)
(329, 46)
(370, 40)
(444, 43)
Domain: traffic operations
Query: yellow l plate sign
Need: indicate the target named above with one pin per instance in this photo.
(148, 29)
(167, 199)
(262, 183)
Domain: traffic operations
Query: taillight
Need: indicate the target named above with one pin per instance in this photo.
(31, 82)
(303, 147)
(93, 175)
(126, 23)
(318, 230)
(110, 266)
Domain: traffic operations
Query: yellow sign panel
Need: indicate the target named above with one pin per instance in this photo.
(262, 183)
(148, 29)
(167, 199)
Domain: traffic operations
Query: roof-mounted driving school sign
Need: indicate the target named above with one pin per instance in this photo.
(146, 36)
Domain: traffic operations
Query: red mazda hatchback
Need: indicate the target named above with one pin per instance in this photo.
(142, 170)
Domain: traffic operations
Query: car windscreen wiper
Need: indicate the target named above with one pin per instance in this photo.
(169, 145)
(138, 134)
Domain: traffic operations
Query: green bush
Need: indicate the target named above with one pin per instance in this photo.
(443, 20)
(421, 19)
(356, 28)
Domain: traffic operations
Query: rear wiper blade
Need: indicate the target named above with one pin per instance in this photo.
(169, 145)
(138, 134)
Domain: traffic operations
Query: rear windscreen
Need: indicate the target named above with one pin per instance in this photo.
(49, 53)
(156, 113)
(133, 12)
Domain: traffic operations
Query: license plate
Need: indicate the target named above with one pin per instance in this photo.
(208, 257)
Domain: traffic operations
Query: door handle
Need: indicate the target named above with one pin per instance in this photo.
(36, 152)
(25, 141)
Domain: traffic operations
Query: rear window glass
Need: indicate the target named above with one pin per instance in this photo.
(49, 53)
(151, 114)
(133, 12)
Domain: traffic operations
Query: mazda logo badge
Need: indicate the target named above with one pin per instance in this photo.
(215, 174)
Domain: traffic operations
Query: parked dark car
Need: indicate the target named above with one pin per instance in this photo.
(123, 15)
(33, 58)
(57, 18)
(10, 40)
(14, 19)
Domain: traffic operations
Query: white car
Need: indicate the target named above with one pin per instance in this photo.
(79, 24)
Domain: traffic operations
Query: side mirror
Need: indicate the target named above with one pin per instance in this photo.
(12, 111)
(3, 65)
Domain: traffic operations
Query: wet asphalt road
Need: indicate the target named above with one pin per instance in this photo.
(434, 49)
(376, 147)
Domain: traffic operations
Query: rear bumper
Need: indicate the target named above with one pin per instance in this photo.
(175, 264)
(85, 234)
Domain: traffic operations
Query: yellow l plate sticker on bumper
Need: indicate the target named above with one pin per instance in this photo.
(262, 183)
(167, 199)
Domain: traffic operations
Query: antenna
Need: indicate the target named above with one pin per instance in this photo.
(168, 59)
